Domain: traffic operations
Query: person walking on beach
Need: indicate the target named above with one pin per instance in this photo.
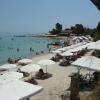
(49, 50)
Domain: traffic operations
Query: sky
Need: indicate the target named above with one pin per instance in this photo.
(40, 16)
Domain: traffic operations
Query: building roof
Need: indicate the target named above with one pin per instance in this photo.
(67, 31)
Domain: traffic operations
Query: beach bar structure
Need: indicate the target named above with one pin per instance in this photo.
(96, 3)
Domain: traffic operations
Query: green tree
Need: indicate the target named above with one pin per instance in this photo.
(98, 27)
(89, 31)
(97, 35)
(79, 29)
(58, 27)
(53, 31)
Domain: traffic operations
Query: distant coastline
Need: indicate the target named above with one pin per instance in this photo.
(48, 36)
(41, 36)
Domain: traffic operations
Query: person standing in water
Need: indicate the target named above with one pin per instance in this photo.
(30, 49)
(17, 49)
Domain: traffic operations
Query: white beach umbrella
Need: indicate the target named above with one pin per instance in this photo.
(8, 66)
(98, 45)
(89, 62)
(67, 53)
(57, 51)
(46, 62)
(31, 68)
(25, 61)
(62, 49)
(91, 45)
(77, 49)
(16, 89)
(94, 45)
(75, 38)
(12, 75)
(85, 38)
(75, 45)
(98, 41)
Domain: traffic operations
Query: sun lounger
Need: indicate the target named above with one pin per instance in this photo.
(42, 75)
(32, 81)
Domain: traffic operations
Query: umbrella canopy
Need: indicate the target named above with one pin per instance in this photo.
(46, 62)
(77, 48)
(62, 49)
(25, 61)
(31, 68)
(98, 41)
(75, 38)
(91, 45)
(16, 89)
(12, 75)
(94, 45)
(89, 62)
(67, 53)
(8, 66)
(57, 51)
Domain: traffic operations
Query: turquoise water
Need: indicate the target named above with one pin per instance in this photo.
(9, 45)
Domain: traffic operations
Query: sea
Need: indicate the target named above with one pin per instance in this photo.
(14, 45)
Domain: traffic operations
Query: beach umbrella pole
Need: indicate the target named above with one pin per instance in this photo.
(46, 69)
(78, 70)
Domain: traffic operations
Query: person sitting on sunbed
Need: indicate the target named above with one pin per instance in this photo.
(40, 73)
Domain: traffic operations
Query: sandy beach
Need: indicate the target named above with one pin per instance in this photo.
(55, 85)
